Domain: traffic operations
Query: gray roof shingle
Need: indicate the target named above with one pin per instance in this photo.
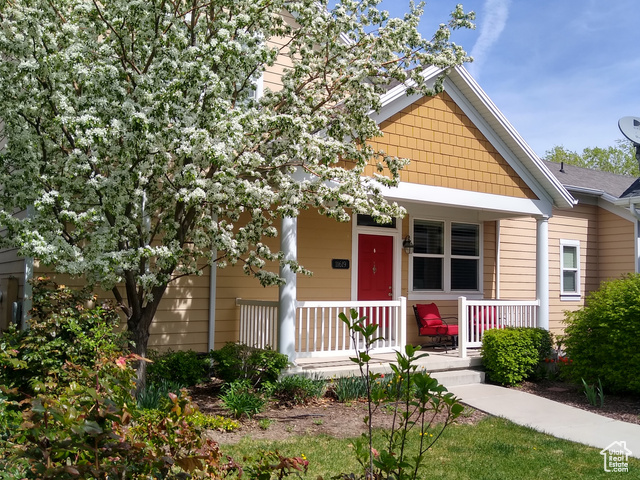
(586, 178)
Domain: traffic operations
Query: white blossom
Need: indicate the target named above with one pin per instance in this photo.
(137, 138)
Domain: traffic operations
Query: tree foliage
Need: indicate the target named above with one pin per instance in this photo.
(620, 159)
(138, 145)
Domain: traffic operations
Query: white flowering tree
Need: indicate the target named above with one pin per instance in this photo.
(137, 143)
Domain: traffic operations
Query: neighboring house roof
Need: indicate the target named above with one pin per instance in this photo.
(492, 123)
(594, 182)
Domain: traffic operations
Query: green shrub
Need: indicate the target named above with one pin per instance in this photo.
(348, 389)
(155, 395)
(236, 361)
(511, 355)
(240, 399)
(298, 389)
(67, 325)
(184, 367)
(602, 338)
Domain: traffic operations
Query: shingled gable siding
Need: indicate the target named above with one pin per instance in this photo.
(446, 150)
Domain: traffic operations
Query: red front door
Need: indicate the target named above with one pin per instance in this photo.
(375, 275)
(375, 267)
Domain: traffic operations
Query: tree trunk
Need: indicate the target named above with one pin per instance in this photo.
(139, 338)
(138, 324)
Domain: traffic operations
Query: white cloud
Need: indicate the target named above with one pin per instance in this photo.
(492, 22)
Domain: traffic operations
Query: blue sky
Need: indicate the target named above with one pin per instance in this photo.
(563, 72)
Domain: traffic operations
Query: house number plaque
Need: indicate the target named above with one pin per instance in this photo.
(340, 264)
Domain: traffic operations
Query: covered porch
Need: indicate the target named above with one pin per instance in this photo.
(320, 336)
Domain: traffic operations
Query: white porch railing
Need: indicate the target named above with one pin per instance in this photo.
(476, 316)
(258, 322)
(319, 330)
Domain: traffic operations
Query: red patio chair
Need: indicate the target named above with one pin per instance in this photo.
(432, 324)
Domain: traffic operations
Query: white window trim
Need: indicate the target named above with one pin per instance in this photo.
(577, 295)
(447, 293)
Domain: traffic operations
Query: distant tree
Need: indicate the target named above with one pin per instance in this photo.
(620, 159)
(134, 135)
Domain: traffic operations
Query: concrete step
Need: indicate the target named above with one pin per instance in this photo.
(453, 378)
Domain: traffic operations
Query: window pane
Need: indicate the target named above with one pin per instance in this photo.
(569, 284)
(427, 273)
(569, 257)
(464, 274)
(368, 221)
(465, 239)
(428, 237)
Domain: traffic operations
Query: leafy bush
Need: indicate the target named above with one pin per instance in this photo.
(241, 399)
(511, 355)
(299, 389)
(184, 367)
(236, 361)
(602, 337)
(67, 325)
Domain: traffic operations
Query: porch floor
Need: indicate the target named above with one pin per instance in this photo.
(437, 361)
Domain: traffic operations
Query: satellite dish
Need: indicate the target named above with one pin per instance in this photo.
(630, 128)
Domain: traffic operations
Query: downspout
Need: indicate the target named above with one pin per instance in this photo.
(497, 259)
(213, 283)
(636, 229)
(27, 295)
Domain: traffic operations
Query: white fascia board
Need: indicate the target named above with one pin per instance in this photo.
(528, 153)
(619, 210)
(396, 99)
(433, 195)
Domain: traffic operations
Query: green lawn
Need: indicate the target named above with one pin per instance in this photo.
(493, 449)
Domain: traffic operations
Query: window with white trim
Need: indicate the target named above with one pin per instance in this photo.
(569, 268)
(446, 257)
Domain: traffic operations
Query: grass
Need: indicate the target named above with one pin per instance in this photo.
(493, 449)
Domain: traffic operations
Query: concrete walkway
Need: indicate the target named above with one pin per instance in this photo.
(550, 417)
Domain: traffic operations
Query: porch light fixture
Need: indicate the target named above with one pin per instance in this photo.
(408, 245)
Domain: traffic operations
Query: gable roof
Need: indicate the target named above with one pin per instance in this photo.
(486, 116)
(594, 182)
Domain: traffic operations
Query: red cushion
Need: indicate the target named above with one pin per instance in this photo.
(428, 311)
(452, 329)
(437, 330)
(431, 323)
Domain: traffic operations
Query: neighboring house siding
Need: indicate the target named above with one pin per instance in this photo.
(616, 246)
(12, 266)
(446, 150)
(182, 319)
(272, 75)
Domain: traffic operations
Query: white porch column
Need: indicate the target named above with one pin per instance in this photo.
(288, 291)
(542, 270)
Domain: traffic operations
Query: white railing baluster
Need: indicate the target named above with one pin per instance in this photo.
(476, 316)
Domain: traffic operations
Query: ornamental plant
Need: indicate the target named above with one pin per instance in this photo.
(139, 141)
(511, 355)
(67, 326)
(602, 338)
(415, 398)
